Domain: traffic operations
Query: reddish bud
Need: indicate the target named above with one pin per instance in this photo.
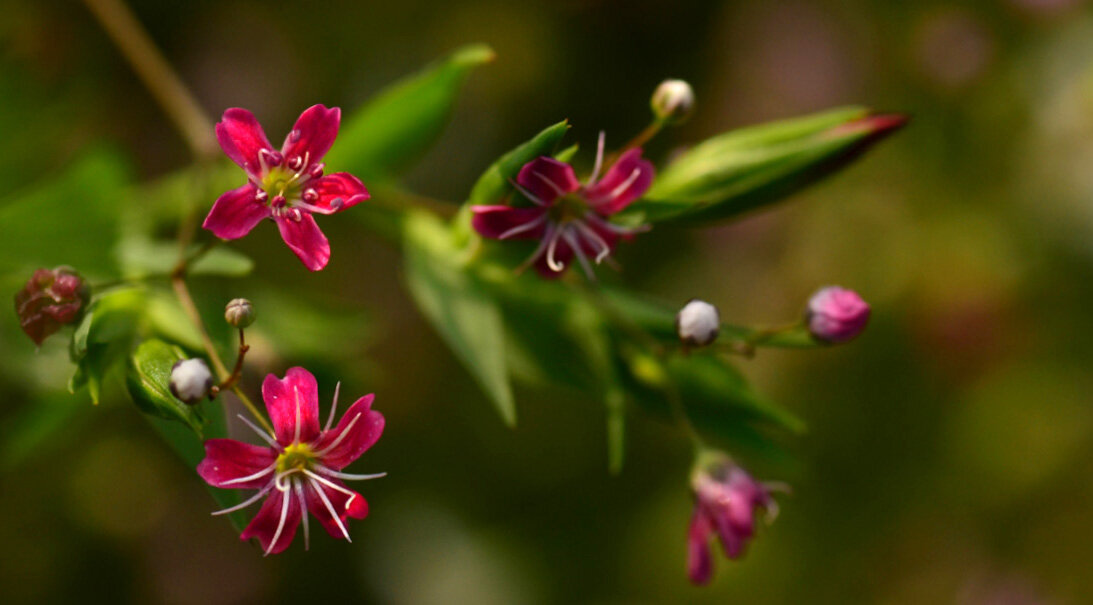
(49, 300)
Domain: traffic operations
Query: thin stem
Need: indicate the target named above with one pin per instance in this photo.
(253, 409)
(237, 371)
(640, 140)
(153, 69)
(178, 281)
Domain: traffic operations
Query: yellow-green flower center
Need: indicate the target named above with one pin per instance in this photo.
(568, 208)
(297, 456)
(282, 181)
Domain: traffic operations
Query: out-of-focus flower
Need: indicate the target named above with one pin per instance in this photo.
(239, 313)
(726, 502)
(673, 101)
(836, 314)
(300, 470)
(287, 185)
(190, 380)
(569, 219)
(49, 300)
(698, 323)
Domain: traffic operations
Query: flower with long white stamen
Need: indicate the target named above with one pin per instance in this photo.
(287, 186)
(300, 472)
(569, 219)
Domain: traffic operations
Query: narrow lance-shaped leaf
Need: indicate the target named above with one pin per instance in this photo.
(752, 167)
(400, 123)
(466, 317)
(495, 183)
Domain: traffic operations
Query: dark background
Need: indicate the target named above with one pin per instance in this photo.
(949, 449)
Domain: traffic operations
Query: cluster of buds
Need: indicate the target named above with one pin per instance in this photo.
(49, 300)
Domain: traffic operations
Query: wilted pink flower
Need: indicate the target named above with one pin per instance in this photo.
(836, 314)
(726, 501)
(49, 300)
(568, 218)
(286, 185)
(300, 471)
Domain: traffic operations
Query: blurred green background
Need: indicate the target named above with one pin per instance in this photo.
(949, 449)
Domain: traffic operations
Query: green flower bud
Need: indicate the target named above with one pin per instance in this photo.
(673, 101)
(239, 313)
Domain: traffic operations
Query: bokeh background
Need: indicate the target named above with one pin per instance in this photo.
(948, 452)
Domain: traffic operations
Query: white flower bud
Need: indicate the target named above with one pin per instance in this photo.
(698, 323)
(190, 380)
(673, 101)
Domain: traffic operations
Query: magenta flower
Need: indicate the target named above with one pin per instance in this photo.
(287, 185)
(568, 219)
(50, 299)
(726, 499)
(836, 314)
(300, 471)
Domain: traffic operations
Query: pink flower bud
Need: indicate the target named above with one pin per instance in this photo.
(836, 314)
(49, 300)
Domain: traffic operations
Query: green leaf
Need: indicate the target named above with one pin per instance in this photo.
(103, 338)
(140, 256)
(148, 377)
(399, 124)
(458, 308)
(749, 168)
(494, 184)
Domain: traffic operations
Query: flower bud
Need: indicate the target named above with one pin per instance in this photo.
(836, 314)
(673, 101)
(49, 300)
(239, 313)
(190, 380)
(698, 323)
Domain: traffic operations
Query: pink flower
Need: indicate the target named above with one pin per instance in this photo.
(300, 471)
(726, 499)
(49, 300)
(286, 185)
(836, 314)
(568, 218)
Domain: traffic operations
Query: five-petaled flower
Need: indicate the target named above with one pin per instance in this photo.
(286, 185)
(726, 499)
(300, 471)
(568, 218)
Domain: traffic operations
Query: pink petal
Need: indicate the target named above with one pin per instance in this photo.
(241, 137)
(338, 191)
(235, 213)
(227, 459)
(699, 563)
(495, 221)
(625, 182)
(293, 405)
(367, 426)
(547, 178)
(305, 240)
(264, 525)
(357, 509)
(313, 134)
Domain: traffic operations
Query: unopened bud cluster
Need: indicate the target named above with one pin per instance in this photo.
(191, 380)
(698, 323)
(673, 101)
(239, 313)
(49, 300)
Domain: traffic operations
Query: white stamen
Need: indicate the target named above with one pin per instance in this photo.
(599, 161)
(297, 486)
(280, 524)
(573, 243)
(279, 480)
(333, 407)
(549, 183)
(528, 226)
(549, 235)
(772, 511)
(299, 422)
(260, 473)
(592, 217)
(617, 191)
(531, 196)
(330, 508)
(551, 262)
(349, 427)
(245, 504)
(310, 207)
(346, 476)
(333, 486)
(264, 435)
(595, 239)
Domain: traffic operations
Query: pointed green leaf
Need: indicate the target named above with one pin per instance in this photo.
(458, 308)
(400, 123)
(748, 168)
(139, 256)
(494, 184)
